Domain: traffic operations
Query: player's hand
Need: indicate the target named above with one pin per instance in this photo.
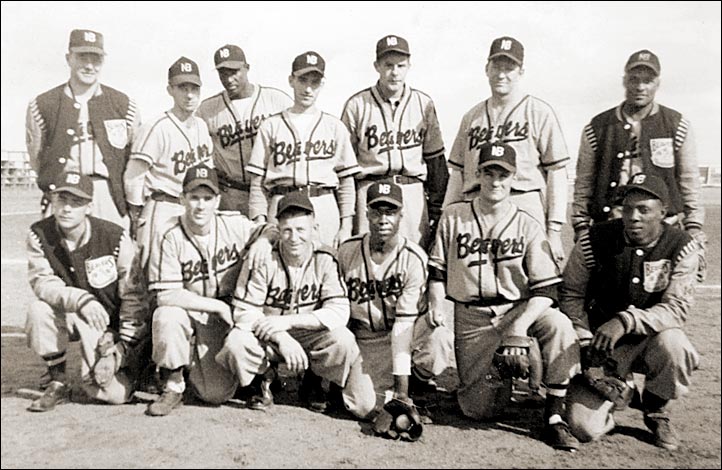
(606, 337)
(292, 353)
(267, 327)
(134, 216)
(436, 318)
(343, 234)
(225, 311)
(555, 242)
(95, 315)
(259, 253)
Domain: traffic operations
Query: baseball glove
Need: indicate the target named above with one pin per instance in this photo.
(519, 357)
(399, 419)
(608, 386)
(109, 359)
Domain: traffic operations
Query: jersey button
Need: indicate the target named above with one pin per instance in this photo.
(606, 209)
(627, 153)
(61, 160)
(76, 105)
(72, 269)
(51, 187)
(639, 252)
(613, 184)
(70, 132)
(620, 155)
(627, 126)
(635, 280)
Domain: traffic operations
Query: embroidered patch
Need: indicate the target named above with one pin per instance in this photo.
(656, 275)
(117, 130)
(662, 152)
(101, 271)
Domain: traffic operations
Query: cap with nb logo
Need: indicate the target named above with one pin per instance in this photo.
(508, 47)
(85, 40)
(74, 183)
(230, 57)
(200, 175)
(385, 191)
(182, 71)
(498, 154)
(643, 58)
(392, 43)
(308, 62)
(650, 184)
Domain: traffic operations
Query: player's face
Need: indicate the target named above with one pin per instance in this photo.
(384, 220)
(504, 75)
(185, 96)
(643, 215)
(85, 66)
(296, 234)
(233, 80)
(200, 204)
(69, 210)
(392, 68)
(306, 88)
(640, 85)
(495, 183)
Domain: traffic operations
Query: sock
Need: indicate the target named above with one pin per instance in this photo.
(653, 403)
(556, 398)
(56, 366)
(173, 379)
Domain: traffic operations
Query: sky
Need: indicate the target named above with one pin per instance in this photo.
(574, 52)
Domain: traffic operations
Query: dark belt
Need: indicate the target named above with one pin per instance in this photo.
(228, 183)
(310, 190)
(163, 197)
(398, 179)
(487, 302)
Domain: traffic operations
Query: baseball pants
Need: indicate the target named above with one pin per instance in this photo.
(233, 199)
(151, 221)
(667, 361)
(478, 334)
(49, 331)
(333, 355)
(326, 213)
(186, 338)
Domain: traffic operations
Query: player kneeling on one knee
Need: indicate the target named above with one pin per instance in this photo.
(494, 261)
(80, 271)
(294, 309)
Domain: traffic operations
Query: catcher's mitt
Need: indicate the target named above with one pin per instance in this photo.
(608, 386)
(109, 359)
(399, 419)
(519, 357)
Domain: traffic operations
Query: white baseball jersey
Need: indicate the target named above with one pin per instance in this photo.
(170, 147)
(505, 262)
(283, 158)
(233, 125)
(382, 293)
(393, 142)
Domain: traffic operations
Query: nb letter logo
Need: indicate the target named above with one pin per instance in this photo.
(186, 67)
(639, 179)
(202, 173)
(311, 59)
(72, 178)
(643, 56)
(497, 151)
(391, 41)
(224, 53)
(384, 189)
(89, 36)
(505, 45)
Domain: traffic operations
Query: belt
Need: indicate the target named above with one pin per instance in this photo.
(163, 197)
(310, 190)
(398, 179)
(223, 181)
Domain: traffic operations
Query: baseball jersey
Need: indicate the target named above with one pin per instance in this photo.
(206, 266)
(382, 293)
(505, 262)
(283, 158)
(233, 125)
(531, 127)
(391, 142)
(170, 147)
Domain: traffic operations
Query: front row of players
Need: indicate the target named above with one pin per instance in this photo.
(235, 299)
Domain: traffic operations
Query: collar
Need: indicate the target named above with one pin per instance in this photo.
(386, 99)
(70, 94)
(622, 116)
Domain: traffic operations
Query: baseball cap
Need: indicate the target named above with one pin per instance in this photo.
(85, 40)
(200, 175)
(184, 70)
(308, 62)
(499, 154)
(643, 58)
(509, 47)
(385, 191)
(295, 199)
(74, 183)
(392, 43)
(651, 184)
(230, 57)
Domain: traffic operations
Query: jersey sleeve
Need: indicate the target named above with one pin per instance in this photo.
(552, 148)
(249, 297)
(349, 117)
(346, 163)
(438, 256)
(257, 164)
(412, 300)
(164, 267)
(542, 270)
(335, 308)
(150, 144)
(433, 146)
(456, 157)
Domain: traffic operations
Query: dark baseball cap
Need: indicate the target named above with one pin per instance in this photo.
(308, 62)
(643, 58)
(499, 154)
(508, 47)
(230, 57)
(385, 191)
(85, 40)
(650, 184)
(74, 183)
(295, 199)
(201, 175)
(182, 71)
(392, 43)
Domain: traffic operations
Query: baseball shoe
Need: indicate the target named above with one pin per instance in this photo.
(262, 397)
(560, 437)
(165, 404)
(55, 394)
(664, 434)
(311, 392)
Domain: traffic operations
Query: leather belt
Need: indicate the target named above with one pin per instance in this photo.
(163, 197)
(310, 190)
(398, 179)
(223, 181)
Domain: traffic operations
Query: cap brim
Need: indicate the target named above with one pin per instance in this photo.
(294, 205)
(83, 49)
(185, 78)
(642, 64)
(73, 190)
(392, 49)
(198, 183)
(633, 187)
(306, 70)
(231, 64)
(505, 54)
(387, 199)
(505, 165)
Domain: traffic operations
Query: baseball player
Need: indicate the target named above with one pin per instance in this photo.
(385, 275)
(305, 149)
(493, 261)
(233, 118)
(164, 151)
(193, 268)
(83, 126)
(79, 268)
(294, 309)
(530, 126)
(395, 133)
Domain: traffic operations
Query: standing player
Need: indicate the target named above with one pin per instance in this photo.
(305, 149)
(233, 118)
(385, 275)
(84, 126)
(396, 134)
(530, 126)
(165, 149)
(492, 259)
